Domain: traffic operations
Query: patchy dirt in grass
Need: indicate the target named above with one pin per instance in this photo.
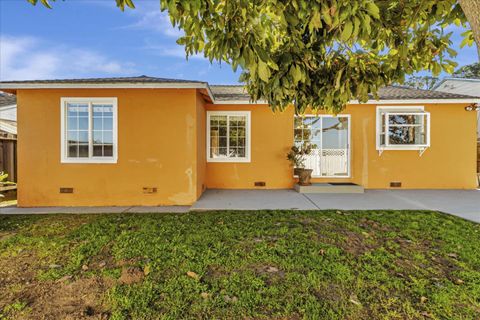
(131, 275)
(66, 298)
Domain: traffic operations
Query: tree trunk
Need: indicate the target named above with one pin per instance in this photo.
(471, 8)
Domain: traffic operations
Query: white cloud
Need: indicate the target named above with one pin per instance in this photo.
(27, 58)
(149, 17)
(175, 51)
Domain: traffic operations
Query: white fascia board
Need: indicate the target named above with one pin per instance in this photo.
(191, 85)
(376, 102)
(418, 101)
(239, 102)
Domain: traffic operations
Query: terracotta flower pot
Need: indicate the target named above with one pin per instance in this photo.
(296, 171)
(304, 176)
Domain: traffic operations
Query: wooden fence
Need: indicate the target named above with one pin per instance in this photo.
(8, 158)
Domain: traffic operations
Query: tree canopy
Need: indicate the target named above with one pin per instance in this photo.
(468, 71)
(318, 54)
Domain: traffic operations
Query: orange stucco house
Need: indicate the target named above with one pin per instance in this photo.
(154, 141)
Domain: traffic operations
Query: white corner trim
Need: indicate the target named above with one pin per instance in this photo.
(90, 101)
(248, 138)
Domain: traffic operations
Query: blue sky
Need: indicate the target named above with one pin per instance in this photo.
(93, 38)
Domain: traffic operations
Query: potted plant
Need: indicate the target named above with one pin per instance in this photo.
(296, 156)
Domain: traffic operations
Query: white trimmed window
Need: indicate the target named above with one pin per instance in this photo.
(89, 130)
(403, 128)
(228, 136)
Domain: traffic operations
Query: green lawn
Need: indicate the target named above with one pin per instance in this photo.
(248, 265)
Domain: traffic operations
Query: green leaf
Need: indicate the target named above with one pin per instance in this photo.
(373, 10)
(347, 31)
(263, 71)
(296, 74)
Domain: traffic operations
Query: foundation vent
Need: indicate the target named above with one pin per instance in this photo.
(66, 190)
(260, 183)
(395, 184)
(149, 190)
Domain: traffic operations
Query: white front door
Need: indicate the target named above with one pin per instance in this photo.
(331, 137)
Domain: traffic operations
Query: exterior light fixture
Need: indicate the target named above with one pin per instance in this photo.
(472, 107)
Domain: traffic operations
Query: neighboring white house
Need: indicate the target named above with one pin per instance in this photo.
(8, 113)
(466, 86)
(8, 135)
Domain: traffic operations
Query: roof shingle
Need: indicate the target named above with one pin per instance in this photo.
(139, 79)
(238, 93)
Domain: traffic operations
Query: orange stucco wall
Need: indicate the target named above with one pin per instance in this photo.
(162, 144)
(448, 164)
(157, 147)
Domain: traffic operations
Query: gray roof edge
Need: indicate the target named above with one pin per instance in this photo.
(454, 79)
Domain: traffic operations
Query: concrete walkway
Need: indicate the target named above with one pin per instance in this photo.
(80, 210)
(461, 203)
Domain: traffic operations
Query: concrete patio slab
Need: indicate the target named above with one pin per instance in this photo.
(252, 200)
(461, 203)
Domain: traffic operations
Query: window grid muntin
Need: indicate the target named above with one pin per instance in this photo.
(90, 158)
(231, 124)
(424, 125)
(78, 118)
(237, 128)
(312, 120)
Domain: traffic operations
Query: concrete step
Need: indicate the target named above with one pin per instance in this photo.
(330, 188)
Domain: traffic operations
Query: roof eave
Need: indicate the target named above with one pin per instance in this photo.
(386, 101)
(13, 86)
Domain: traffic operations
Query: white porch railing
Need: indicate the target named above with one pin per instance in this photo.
(328, 162)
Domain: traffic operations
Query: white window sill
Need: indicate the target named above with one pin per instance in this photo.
(390, 148)
(229, 160)
(89, 161)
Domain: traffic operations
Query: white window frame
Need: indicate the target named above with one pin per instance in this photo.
(399, 110)
(63, 130)
(247, 157)
(349, 142)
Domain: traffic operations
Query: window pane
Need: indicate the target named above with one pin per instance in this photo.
(406, 135)
(83, 110)
(72, 137)
(222, 142)
(335, 133)
(83, 150)
(97, 124)
(98, 150)
(405, 119)
(241, 152)
(108, 136)
(222, 152)
(108, 150)
(222, 131)
(83, 123)
(213, 152)
(72, 123)
(107, 123)
(83, 136)
(97, 137)
(227, 136)
(73, 150)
